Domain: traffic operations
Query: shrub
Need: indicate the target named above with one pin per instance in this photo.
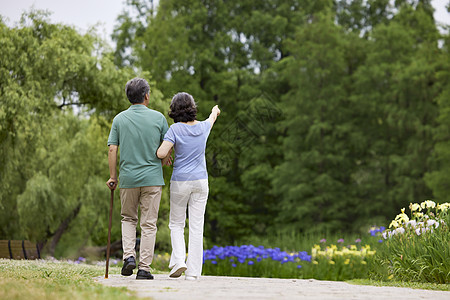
(417, 248)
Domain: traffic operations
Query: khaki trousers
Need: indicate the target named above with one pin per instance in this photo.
(148, 199)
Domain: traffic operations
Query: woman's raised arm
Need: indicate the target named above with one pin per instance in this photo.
(215, 112)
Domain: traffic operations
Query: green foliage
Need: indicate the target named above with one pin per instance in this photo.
(319, 132)
(436, 179)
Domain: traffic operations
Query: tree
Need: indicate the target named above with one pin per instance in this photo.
(437, 179)
(314, 178)
(336, 76)
(53, 161)
(396, 88)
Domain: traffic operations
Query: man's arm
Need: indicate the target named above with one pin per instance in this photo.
(112, 160)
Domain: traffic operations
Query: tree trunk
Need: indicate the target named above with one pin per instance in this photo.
(62, 228)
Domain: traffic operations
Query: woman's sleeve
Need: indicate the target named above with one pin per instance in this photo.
(207, 125)
(170, 136)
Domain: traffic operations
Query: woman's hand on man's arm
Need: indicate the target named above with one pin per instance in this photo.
(167, 161)
(164, 152)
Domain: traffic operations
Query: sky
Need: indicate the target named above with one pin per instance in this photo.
(102, 14)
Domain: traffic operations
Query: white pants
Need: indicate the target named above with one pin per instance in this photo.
(193, 195)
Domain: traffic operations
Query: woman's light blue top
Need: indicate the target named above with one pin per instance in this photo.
(189, 143)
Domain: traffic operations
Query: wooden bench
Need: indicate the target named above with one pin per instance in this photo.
(15, 249)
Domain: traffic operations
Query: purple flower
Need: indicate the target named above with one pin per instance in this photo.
(323, 240)
(380, 241)
(250, 262)
(358, 241)
(233, 265)
(298, 266)
(214, 262)
(340, 240)
(303, 255)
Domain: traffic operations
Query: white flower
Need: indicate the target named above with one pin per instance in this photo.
(400, 230)
(411, 223)
(418, 231)
(432, 222)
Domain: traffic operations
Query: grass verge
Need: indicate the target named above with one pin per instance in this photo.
(40, 279)
(404, 284)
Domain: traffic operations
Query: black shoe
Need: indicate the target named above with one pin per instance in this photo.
(142, 274)
(128, 265)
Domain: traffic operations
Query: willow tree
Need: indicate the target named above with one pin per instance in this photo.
(52, 162)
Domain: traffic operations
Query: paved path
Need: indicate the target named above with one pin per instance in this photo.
(217, 287)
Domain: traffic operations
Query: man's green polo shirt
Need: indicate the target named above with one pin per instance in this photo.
(138, 131)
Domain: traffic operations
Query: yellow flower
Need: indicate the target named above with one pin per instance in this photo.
(353, 247)
(415, 207)
(347, 261)
(428, 204)
(391, 276)
(315, 262)
(331, 262)
(443, 206)
(364, 262)
(402, 218)
(394, 224)
(418, 214)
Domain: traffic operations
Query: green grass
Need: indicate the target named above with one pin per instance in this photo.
(27, 279)
(404, 284)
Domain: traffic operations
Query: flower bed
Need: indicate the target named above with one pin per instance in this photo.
(330, 263)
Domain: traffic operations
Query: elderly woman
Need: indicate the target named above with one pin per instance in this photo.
(189, 183)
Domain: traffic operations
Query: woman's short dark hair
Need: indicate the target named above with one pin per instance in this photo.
(183, 108)
(136, 89)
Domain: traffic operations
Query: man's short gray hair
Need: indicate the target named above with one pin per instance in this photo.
(136, 89)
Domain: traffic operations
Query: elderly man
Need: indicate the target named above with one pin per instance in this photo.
(138, 131)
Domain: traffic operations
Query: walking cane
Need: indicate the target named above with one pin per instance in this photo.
(108, 246)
